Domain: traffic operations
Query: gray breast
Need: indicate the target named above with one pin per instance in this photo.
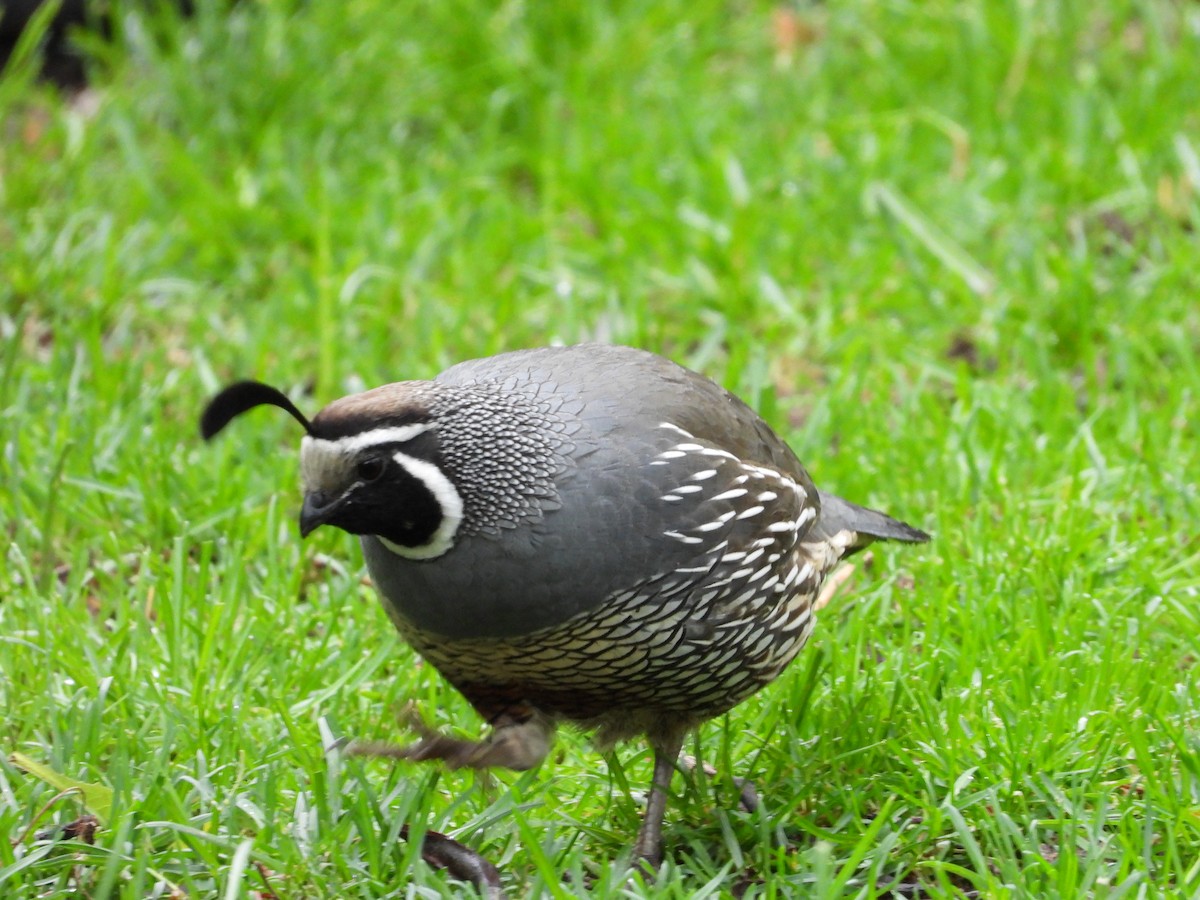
(616, 414)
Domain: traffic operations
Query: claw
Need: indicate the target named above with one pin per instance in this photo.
(511, 745)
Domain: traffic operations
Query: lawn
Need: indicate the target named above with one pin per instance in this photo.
(948, 249)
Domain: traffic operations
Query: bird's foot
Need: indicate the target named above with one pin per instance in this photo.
(648, 848)
(511, 745)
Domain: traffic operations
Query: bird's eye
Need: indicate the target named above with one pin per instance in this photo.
(371, 469)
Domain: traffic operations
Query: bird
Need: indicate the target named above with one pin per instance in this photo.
(587, 534)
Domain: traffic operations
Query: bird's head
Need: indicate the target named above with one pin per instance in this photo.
(371, 464)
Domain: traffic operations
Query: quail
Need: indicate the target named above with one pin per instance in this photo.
(590, 534)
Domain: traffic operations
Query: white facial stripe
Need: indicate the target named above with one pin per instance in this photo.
(393, 434)
(323, 462)
(447, 498)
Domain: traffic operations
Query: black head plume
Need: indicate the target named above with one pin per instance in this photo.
(241, 396)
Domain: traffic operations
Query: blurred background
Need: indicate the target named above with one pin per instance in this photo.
(947, 248)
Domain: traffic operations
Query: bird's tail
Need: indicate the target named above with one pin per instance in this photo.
(869, 525)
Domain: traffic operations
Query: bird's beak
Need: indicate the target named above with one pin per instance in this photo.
(318, 509)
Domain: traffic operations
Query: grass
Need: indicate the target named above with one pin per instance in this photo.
(949, 250)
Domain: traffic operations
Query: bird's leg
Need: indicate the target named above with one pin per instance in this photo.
(513, 744)
(516, 742)
(648, 848)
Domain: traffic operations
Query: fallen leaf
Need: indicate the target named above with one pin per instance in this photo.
(96, 797)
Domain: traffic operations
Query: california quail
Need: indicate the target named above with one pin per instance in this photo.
(587, 533)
